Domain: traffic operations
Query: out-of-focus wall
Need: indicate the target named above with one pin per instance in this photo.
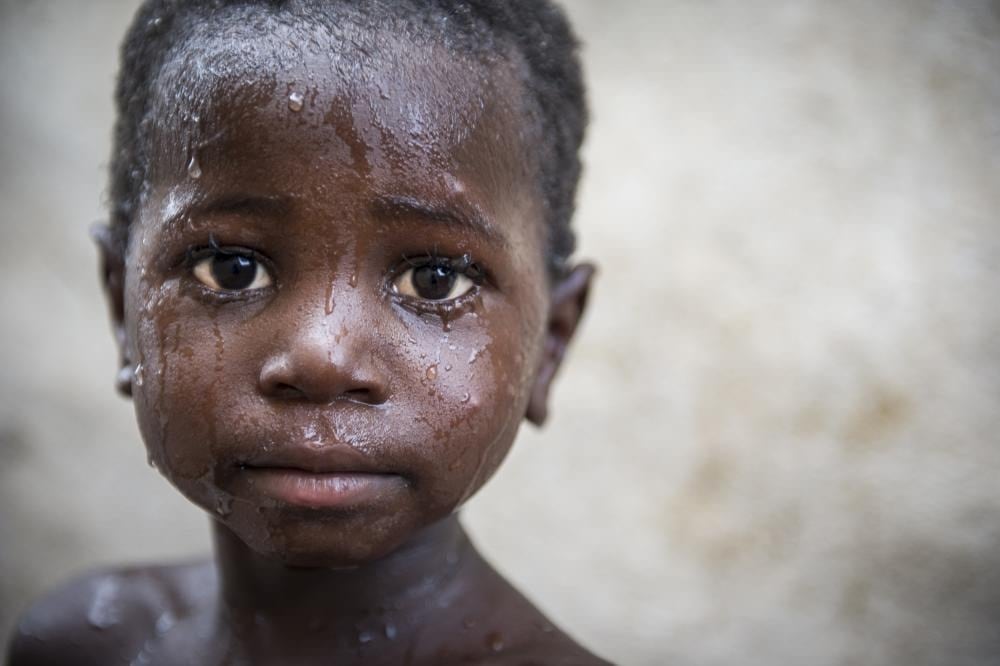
(776, 441)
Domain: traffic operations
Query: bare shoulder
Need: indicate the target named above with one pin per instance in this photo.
(528, 637)
(105, 616)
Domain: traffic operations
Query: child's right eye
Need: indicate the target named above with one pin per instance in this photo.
(231, 271)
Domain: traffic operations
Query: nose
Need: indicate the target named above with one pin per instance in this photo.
(316, 366)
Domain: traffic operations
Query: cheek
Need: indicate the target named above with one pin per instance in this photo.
(186, 377)
(469, 399)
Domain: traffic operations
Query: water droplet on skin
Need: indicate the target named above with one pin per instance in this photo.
(447, 368)
(465, 398)
(165, 622)
(329, 299)
(432, 372)
(354, 280)
(194, 169)
(494, 641)
(468, 623)
(150, 460)
(139, 375)
(104, 612)
(473, 356)
(366, 637)
(295, 101)
(390, 631)
(142, 658)
(224, 506)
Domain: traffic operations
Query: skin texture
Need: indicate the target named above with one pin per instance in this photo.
(330, 420)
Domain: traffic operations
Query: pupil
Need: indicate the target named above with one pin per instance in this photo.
(234, 271)
(433, 282)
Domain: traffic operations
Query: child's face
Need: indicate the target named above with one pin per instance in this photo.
(336, 296)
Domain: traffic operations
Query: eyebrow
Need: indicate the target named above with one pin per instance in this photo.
(249, 205)
(469, 219)
(242, 204)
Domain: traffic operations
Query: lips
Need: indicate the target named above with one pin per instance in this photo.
(317, 460)
(327, 478)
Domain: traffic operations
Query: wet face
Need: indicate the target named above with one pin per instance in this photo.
(335, 298)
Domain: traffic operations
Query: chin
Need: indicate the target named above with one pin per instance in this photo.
(337, 541)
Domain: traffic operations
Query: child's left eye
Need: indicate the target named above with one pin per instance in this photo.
(433, 282)
(231, 271)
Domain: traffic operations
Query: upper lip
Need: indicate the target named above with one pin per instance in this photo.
(330, 459)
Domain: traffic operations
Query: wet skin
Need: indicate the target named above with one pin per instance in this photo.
(334, 315)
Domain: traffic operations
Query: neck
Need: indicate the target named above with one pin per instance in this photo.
(267, 600)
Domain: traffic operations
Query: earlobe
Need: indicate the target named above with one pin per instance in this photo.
(112, 261)
(569, 299)
(124, 379)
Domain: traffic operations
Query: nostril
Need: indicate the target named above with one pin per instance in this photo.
(298, 375)
(360, 395)
(282, 390)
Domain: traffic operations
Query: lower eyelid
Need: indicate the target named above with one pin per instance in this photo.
(424, 306)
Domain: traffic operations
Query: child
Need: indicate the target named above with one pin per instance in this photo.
(338, 273)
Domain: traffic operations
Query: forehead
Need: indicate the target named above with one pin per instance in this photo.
(389, 110)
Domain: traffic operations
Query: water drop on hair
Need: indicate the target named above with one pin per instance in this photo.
(390, 631)
(295, 101)
(432, 372)
(365, 637)
(194, 169)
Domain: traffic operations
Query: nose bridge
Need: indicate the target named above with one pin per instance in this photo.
(327, 330)
(321, 352)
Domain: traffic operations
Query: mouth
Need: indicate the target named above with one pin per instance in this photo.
(327, 479)
(319, 490)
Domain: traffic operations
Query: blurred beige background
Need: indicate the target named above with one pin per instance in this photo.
(777, 440)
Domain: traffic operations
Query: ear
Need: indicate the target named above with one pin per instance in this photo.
(569, 298)
(112, 258)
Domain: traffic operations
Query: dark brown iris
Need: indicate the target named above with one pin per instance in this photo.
(234, 271)
(434, 281)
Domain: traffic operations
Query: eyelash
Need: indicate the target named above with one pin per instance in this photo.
(193, 256)
(464, 265)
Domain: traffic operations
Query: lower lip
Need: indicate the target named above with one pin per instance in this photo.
(319, 490)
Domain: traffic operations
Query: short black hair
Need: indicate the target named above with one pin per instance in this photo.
(536, 31)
